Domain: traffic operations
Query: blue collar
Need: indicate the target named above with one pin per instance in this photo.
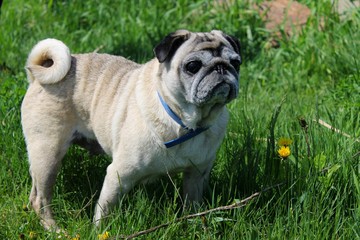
(190, 134)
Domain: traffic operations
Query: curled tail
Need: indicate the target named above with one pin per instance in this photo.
(48, 62)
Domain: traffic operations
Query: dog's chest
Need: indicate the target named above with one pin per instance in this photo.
(196, 152)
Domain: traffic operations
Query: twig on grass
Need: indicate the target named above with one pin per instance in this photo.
(240, 204)
(98, 48)
(323, 123)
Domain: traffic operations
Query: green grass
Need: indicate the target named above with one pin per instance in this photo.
(312, 76)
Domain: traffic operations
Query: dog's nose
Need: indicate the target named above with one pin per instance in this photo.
(220, 68)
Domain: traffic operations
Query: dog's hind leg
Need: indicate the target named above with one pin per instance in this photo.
(48, 137)
(45, 156)
(44, 165)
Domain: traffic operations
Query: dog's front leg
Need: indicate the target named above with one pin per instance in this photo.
(193, 184)
(116, 184)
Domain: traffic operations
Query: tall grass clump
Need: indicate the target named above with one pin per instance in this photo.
(306, 90)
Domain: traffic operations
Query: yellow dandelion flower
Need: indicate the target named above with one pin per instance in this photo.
(104, 236)
(32, 235)
(25, 208)
(284, 142)
(77, 237)
(284, 151)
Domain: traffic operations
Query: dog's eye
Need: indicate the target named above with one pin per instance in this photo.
(193, 66)
(236, 64)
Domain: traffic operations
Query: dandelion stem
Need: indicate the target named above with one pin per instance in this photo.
(305, 127)
(270, 151)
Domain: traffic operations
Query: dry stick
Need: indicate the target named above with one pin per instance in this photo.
(222, 208)
(323, 123)
(240, 204)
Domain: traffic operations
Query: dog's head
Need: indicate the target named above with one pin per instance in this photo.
(201, 68)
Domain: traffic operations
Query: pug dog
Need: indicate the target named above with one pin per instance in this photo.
(167, 115)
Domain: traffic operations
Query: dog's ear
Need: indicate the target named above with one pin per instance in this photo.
(235, 43)
(168, 46)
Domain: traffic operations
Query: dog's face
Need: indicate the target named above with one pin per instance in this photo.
(200, 68)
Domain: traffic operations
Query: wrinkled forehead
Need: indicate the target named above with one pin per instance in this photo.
(202, 41)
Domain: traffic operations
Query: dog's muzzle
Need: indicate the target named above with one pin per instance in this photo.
(219, 86)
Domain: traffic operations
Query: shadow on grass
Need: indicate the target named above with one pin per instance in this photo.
(82, 174)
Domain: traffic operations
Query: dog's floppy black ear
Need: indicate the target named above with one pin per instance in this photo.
(168, 46)
(235, 43)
